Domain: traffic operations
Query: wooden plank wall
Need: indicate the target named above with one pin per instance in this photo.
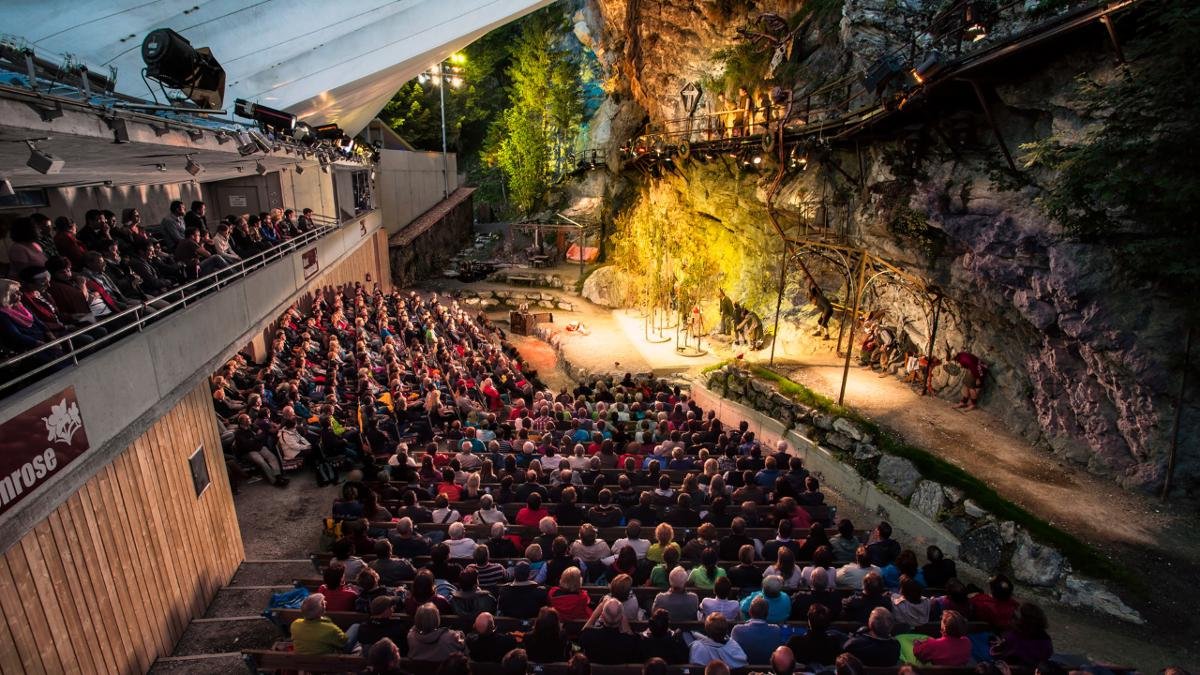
(109, 581)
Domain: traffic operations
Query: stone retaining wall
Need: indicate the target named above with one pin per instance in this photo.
(846, 458)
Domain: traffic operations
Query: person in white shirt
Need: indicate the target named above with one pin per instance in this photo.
(851, 575)
(579, 461)
(633, 539)
(460, 545)
(722, 602)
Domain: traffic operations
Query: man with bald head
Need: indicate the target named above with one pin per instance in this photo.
(783, 662)
(485, 644)
(606, 638)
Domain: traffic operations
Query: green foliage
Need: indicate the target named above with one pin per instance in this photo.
(536, 131)
(913, 224)
(1083, 557)
(667, 240)
(1130, 181)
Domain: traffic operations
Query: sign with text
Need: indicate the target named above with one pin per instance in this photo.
(311, 264)
(38, 443)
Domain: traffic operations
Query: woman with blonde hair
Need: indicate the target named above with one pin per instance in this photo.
(664, 536)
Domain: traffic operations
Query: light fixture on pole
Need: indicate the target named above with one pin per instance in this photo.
(439, 74)
(192, 166)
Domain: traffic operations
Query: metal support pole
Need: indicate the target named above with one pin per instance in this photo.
(779, 300)
(1187, 363)
(1112, 36)
(987, 111)
(862, 273)
(445, 155)
(937, 314)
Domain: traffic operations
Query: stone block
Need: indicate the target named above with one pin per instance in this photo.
(899, 476)
(982, 548)
(865, 452)
(928, 499)
(823, 421)
(974, 510)
(1035, 564)
(953, 494)
(840, 441)
(1080, 592)
(848, 428)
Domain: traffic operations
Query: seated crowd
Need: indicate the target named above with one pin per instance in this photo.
(57, 277)
(478, 497)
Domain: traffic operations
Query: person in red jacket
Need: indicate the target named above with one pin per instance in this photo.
(569, 598)
(952, 649)
(973, 381)
(338, 596)
(996, 607)
(66, 242)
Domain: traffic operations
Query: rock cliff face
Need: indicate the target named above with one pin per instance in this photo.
(1081, 362)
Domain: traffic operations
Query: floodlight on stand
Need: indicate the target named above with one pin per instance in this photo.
(6, 188)
(193, 167)
(268, 117)
(173, 61)
(42, 162)
(260, 168)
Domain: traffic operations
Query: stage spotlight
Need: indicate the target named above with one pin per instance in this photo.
(261, 142)
(171, 60)
(162, 168)
(260, 168)
(756, 160)
(6, 188)
(42, 162)
(931, 65)
(299, 169)
(246, 144)
(193, 167)
(196, 135)
(328, 132)
(120, 129)
(268, 117)
(301, 131)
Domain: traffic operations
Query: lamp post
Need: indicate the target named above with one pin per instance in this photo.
(438, 74)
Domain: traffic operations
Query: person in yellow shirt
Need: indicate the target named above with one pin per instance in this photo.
(314, 633)
(664, 536)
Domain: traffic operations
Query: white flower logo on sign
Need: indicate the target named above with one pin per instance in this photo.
(63, 422)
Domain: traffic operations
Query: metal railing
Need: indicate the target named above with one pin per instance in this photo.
(63, 351)
(949, 42)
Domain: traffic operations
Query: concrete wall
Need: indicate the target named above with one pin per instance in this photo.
(919, 530)
(128, 385)
(408, 184)
(422, 249)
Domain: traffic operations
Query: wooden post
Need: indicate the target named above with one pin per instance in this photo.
(862, 273)
(937, 313)
(1187, 363)
(779, 299)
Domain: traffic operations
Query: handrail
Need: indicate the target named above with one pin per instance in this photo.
(846, 102)
(119, 325)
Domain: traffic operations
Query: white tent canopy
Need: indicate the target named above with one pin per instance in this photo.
(324, 61)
